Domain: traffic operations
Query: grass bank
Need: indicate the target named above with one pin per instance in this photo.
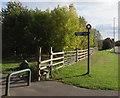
(103, 72)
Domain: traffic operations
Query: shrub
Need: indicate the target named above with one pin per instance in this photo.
(117, 43)
(34, 73)
(107, 44)
(100, 43)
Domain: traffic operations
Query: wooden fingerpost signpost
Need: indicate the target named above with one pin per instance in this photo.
(88, 26)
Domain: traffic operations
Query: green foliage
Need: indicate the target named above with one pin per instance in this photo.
(24, 30)
(34, 72)
(100, 44)
(107, 44)
(16, 35)
(66, 23)
(117, 43)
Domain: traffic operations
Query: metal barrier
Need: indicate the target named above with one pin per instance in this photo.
(17, 72)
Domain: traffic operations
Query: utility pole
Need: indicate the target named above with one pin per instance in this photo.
(114, 32)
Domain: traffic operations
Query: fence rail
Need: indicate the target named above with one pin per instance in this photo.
(78, 55)
(45, 61)
(67, 58)
(57, 53)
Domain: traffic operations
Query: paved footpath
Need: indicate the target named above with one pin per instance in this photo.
(52, 88)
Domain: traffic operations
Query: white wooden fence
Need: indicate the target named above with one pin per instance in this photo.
(52, 62)
(62, 59)
(71, 57)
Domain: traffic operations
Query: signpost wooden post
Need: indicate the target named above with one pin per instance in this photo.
(88, 26)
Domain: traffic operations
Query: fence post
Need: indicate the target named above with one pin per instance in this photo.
(76, 54)
(51, 62)
(96, 49)
(39, 63)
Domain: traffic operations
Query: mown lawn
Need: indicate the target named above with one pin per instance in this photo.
(103, 72)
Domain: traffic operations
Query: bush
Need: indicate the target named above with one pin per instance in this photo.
(34, 73)
(107, 44)
(100, 43)
(117, 43)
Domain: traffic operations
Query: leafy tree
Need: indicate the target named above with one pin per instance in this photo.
(41, 27)
(107, 44)
(65, 23)
(24, 30)
(100, 44)
(16, 35)
(97, 38)
(117, 43)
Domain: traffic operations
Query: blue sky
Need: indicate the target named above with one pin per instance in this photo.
(99, 13)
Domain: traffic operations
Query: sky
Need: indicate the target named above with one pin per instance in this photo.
(99, 13)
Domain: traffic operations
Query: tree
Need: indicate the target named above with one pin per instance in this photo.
(16, 35)
(41, 26)
(25, 30)
(97, 38)
(107, 44)
(65, 23)
(117, 43)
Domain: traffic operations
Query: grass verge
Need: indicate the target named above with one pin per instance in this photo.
(103, 72)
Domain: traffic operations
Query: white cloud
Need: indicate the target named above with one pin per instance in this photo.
(101, 16)
(107, 30)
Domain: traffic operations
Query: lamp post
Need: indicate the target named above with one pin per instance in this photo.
(114, 32)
